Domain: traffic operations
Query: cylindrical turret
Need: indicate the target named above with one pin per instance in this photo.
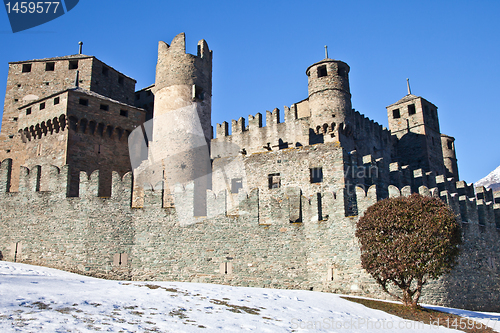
(329, 93)
(182, 127)
(449, 156)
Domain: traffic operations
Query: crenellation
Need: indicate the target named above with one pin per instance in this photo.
(238, 126)
(273, 118)
(222, 130)
(254, 122)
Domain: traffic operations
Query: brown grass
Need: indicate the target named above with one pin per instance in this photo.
(425, 316)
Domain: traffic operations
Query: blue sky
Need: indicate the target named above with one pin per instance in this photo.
(448, 49)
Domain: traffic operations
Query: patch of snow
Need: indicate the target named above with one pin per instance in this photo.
(47, 300)
(492, 180)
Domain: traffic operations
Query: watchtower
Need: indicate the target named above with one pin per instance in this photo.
(329, 94)
(182, 127)
(414, 121)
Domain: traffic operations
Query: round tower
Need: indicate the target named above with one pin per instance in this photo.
(329, 93)
(182, 127)
(449, 156)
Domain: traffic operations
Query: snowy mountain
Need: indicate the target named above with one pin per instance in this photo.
(39, 299)
(491, 181)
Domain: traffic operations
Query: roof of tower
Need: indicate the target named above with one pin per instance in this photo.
(408, 98)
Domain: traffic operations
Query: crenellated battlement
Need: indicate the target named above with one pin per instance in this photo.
(283, 205)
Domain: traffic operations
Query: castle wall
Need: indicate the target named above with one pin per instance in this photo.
(105, 237)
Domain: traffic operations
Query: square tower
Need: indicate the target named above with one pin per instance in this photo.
(414, 121)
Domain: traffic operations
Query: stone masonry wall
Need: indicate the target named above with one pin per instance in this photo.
(105, 237)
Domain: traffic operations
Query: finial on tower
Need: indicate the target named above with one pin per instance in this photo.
(81, 47)
(326, 52)
(408, 85)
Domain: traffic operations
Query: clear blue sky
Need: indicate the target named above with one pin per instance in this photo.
(449, 50)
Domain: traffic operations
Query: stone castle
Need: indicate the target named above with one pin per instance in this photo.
(266, 206)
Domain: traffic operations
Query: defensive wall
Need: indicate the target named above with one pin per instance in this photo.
(259, 244)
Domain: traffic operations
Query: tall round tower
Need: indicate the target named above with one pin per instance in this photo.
(329, 93)
(182, 127)
(449, 156)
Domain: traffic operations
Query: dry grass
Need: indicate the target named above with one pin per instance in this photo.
(425, 316)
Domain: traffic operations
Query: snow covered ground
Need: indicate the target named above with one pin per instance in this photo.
(38, 299)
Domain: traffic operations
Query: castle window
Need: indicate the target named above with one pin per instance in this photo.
(28, 111)
(42, 106)
(396, 114)
(19, 85)
(124, 113)
(274, 180)
(411, 109)
(16, 100)
(316, 175)
(433, 142)
(56, 100)
(73, 64)
(341, 71)
(120, 80)
(104, 107)
(14, 119)
(236, 184)
(7, 151)
(11, 136)
(198, 92)
(137, 96)
(105, 70)
(46, 83)
(450, 144)
(426, 108)
(50, 66)
(84, 101)
(322, 71)
(26, 68)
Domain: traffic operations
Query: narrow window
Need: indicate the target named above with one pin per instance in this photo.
(341, 71)
(236, 184)
(26, 68)
(84, 101)
(14, 119)
(124, 113)
(274, 180)
(104, 107)
(105, 70)
(120, 80)
(73, 64)
(411, 109)
(8, 150)
(198, 92)
(28, 111)
(396, 114)
(433, 141)
(56, 100)
(316, 175)
(50, 66)
(47, 83)
(450, 144)
(16, 100)
(322, 71)
(137, 96)
(42, 106)
(11, 136)
(120, 259)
